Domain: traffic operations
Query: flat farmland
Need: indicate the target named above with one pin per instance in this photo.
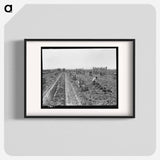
(79, 87)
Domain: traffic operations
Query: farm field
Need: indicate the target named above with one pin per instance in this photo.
(76, 87)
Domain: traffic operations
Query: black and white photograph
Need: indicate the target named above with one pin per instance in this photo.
(79, 77)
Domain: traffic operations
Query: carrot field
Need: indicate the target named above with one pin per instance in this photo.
(75, 87)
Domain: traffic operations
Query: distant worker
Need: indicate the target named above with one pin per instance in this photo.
(94, 80)
(79, 83)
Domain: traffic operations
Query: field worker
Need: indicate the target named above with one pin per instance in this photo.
(79, 83)
(94, 80)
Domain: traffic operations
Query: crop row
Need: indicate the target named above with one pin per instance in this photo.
(57, 94)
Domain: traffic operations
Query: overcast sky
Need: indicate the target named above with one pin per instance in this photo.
(78, 58)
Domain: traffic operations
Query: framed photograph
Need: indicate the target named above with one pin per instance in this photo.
(79, 78)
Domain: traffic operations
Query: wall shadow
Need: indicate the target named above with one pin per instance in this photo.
(18, 79)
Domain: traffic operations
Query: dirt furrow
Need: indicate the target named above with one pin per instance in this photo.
(71, 96)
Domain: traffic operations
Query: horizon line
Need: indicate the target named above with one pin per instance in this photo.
(79, 68)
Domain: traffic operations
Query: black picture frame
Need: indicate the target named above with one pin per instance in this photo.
(25, 76)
